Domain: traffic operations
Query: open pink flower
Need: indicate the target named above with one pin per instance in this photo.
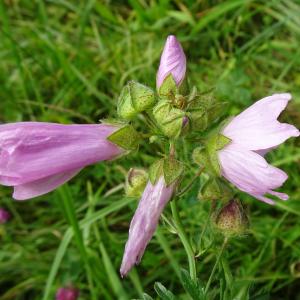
(36, 158)
(144, 222)
(253, 133)
(172, 61)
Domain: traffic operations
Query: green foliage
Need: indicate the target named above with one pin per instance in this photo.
(67, 61)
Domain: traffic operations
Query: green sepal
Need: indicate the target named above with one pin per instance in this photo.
(172, 169)
(126, 137)
(215, 189)
(113, 121)
(134, 99)
(207, 161)
(217, 142)
(156, 171)
(168, 118)
(168, 88)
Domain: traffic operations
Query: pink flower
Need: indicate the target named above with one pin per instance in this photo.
(253, 133)
(36, 158)
(144, 222)
(4, 215)
(67, 293)
(172, 61)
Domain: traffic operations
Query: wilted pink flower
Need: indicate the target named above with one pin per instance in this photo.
(67, 293)
(4, 215)
(172, 61)
(36, 158)
(144, 222)
(253, 133)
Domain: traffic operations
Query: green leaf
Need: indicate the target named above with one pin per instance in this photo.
(162, 292)
(146, 297)
(193, 288)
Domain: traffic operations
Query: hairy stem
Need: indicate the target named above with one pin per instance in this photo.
(216, 264)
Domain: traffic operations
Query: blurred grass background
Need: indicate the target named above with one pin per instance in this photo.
(66, 61)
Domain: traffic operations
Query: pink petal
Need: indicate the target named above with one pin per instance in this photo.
(30, 151)
(172, 61)
(144, 222)
(42, 186)
(257, 127)
(249, 171)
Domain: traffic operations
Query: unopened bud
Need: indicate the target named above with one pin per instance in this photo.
(172, 62)
(203, 111)
(135, 182)
(169, 119)
(4, 215)
(134, 99)
(231, 219)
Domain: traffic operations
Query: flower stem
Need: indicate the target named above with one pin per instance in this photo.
(184, 239)
(216, 264)
(186, 188)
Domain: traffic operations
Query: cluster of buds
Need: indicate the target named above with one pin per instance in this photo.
(36, 158)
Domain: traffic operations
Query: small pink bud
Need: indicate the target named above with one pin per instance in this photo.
(67, 293)
(172, 61)
(4, 215)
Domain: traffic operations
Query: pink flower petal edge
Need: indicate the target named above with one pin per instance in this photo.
(37, 157)
(144, 222)
(257, 128)
(172, 61)
(250, 172)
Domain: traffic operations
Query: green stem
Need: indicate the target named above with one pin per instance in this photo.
(184, 239)
(215, 266)
(188, 186)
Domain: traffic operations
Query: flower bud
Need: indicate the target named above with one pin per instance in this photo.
(135, 182)
(169, 119)
(215, 189)
(231, 219)
(67, 293)
(172, 61)
(134, 99)
(203, 111)
(4, 215)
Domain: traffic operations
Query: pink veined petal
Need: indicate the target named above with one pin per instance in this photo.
(42, 186)
(144, 222)
(263, 152)
(33, 150)
(257, 128)
(172, 61)
(263, 199)
(250, 172)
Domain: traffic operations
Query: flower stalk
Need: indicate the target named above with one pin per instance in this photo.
(185, 241)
